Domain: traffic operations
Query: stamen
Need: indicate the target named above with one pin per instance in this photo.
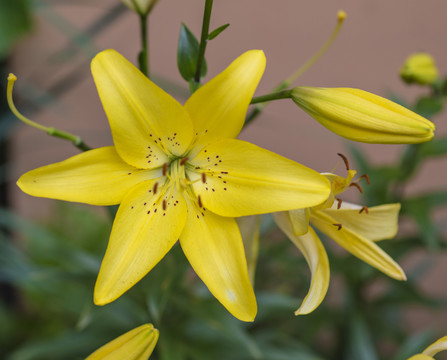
(204, 178)
(200, 201)
(339, 203)
(165, 169)
(364, 209)
(357, 186)
(183, 161)
(339, 226)
(155, 188)
(164, 204)
(345, 160)
(365, 176)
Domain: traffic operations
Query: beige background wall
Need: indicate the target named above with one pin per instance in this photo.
(377, 37)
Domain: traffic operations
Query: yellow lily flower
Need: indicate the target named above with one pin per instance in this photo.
(361, 116)
(419, 68)
(432, 350)
(353, 227)
(178, 173)
(136, 344)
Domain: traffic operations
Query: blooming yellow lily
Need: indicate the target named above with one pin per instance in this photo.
(353, 227)
(136, 344)
(179, 173)
(432, 350)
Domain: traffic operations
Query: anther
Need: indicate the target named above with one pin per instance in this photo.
(164, 204)
(365, 176)
(200, 201)
(155, 187)
(183, 161)
(339, 226)
(165, 169)
(345, 160)
(339, 203)
(357, 186)
(204, 178)
(364, 209)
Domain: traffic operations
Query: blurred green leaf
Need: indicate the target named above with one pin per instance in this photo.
(414, 344)
(429, 106)
(435, 147)
(15, 21)
(213, 34)
(187, 54)
(360, 343)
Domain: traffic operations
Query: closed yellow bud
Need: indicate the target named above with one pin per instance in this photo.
(142, 7)
(136, 344)
(361, 116)
(419, 68)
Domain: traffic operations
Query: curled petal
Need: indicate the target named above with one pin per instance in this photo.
(243, 179)
(436, 347)
(146, 226)
(316, 257)
(97, 177)
(214, 248)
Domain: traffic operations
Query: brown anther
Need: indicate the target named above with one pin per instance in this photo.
(164, 204)
(365, 176)
(204, 178)
(183, 161)
(165, 169)
(364, 209)
(339, 226)
(200, 201)
(155, 187)
(345, 159)
(357, 186)
(339, 203)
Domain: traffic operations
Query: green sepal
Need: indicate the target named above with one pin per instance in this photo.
(187, 54)
(213, 34)
(429, 106)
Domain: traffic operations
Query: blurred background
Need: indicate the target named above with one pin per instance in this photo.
(55, 88)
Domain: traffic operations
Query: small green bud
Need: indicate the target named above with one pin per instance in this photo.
(361, 116)
(142, 7)
(419, 68)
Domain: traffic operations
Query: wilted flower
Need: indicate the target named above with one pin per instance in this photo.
(361, 116)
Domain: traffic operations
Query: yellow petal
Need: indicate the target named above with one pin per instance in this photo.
(300, 221)
(249, 228)
(421, 357)
(316, 257)
(361, 116)
(357, 245)
(339, 183)
(146, 122)
(214, 248)
(97, 177)
(146, 226)
(219, 107)
(380, 223)
(243, 179)
(419, 68)
(436, 347)
(136, 344)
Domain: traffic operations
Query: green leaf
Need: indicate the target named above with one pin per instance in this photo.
(414, 344)
(361, 344)
(428, 106)
(213, 34)
(187, 54)
(436, 147)
(15, 21)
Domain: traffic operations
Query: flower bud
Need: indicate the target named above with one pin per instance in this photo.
(361, 116)
(142, 7)
(419, 68)
(136, 344)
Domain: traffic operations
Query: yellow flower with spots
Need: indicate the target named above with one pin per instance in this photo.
(432, 350)
(136, 344)
(179, 173)
(355, 228)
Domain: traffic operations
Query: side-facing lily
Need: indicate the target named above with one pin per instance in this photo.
(355, 228)
(179, 173)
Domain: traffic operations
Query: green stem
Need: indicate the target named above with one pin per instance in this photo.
(143, 58)
(203, 39)
(76, 140)
(263, 100)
